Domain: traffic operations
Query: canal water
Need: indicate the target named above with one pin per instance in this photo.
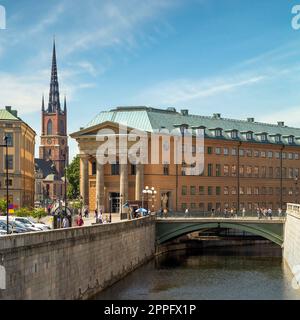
(225, 273)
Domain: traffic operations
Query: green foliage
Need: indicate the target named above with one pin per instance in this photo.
(38, 214)
(2, 206)
(23, 212)
(73, 176)
(76, 205)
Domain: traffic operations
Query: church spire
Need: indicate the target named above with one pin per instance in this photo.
(54, 101)
(43, 103)
(65, 105)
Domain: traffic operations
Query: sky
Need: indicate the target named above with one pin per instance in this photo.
(234, 57)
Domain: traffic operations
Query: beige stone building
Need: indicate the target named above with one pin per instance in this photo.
(21, 138)
(247, 164)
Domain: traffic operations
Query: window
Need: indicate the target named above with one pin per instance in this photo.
(242, 190)
(10, 182)
(193, 190)
(277, 191)
(9, 160)
(10, 139)
(62, 127)
(94, 168)
(249, 153)
(241, 171)
(263, 172)
(264, 191)
(249, 190)
(249, 171)
(218, 170)
(226, 170)
(218, 191)
(277, 172)
(296, 173)
(256, 154)
(209, 150)
(184, 190)
(115, 169)
(202, 191)
(233, 151)
(49, 128)
(218, 132)
(283, 155)
(249, 136)
(256, 171)
(270, 154)
(226, 190)
(291, 173)
(256, 191)
(210, 191)
(218, 151)
(209, 206)
(290, 191)
(291, 156)
(242, 153)
(296, 156)
(226, 151)
(234, 134)
(234, 191)
(183, 206)
(166, 169)
(278, 139)
(210, 170)
(277, 155)
(133, 169)
(270, 191)
(270, 172)
(263, 154)
(233, 170)
(264, 137)
(291, 139)
(283, 172)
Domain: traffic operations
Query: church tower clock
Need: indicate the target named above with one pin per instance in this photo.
(54, 138)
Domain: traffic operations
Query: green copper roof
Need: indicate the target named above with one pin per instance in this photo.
(150, 119)
(6, 115)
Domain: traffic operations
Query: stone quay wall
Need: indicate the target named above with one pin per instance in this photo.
(291, 250)
(74, 263)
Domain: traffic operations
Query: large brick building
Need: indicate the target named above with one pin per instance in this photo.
(247, 164)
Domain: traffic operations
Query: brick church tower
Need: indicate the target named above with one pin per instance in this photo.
(54, 138)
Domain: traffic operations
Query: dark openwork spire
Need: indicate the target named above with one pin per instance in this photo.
(43, 104)
(54, 101)
(65, 105)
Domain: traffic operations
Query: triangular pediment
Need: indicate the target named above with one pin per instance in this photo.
(93, 131)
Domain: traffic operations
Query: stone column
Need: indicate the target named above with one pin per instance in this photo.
(84, 178)
(139, 181)
(100, 187)
(123, 185)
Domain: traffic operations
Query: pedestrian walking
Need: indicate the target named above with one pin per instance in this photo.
(279, 212)
(187, 213)
(270, 213)
(258, 213)
(86, 212)
(66, 223)
(244, 212)
(79, 221)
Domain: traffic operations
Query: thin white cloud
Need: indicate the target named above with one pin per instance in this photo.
(182, 91)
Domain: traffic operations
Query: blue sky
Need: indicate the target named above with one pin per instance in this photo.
(233, 57)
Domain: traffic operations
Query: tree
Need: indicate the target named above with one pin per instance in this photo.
(2, 206)
(73, 176)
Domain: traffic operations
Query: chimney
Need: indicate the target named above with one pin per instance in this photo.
(251, 120)
(217, 115)
(280, 123)
(185, 112)
(13, 112)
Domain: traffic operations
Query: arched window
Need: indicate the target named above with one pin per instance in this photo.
(62, 127)
(49, 127)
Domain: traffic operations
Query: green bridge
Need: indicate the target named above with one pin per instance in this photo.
(171, 228)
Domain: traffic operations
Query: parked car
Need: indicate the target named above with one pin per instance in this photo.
(41, 225)
(4, 228)
(13, 226)
(27, 223)
(3, 232)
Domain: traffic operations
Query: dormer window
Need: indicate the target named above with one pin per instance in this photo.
(234, 134)
(218, 133)
(278, 138)
(291, 139)
(264, 137)
(249, 135)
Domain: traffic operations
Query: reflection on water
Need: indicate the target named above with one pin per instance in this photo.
(232, 273)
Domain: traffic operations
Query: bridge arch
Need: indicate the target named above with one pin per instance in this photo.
(170, 231)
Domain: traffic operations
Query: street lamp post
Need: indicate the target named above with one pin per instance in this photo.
(5, 139)
(148, 192)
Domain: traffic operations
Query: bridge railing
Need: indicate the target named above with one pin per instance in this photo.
(207, 215)
(293, 208)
